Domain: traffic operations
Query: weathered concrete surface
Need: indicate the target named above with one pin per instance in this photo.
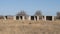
(29, 27)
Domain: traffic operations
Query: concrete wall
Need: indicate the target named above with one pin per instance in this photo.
(44, 18)
(50, 18)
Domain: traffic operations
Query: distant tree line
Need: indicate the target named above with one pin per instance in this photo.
(23, 13)
(37, 13)
(58, 15)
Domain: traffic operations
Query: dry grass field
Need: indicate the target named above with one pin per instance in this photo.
(29, 27)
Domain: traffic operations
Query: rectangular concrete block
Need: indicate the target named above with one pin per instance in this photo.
(44, 18)
(23, 17)
(37, 17)
(14, 17)
(29, 18)
(52, 18)
(4, 18)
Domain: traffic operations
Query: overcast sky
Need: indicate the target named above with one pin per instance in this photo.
(47, 7)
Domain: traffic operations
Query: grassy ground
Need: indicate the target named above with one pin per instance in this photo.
(29, 27)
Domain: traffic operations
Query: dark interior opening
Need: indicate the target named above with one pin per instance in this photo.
(32, 17)
(21, 17)
(43, 16)
(36, 17)
(6, 17)
(17, 17)
(48, 17)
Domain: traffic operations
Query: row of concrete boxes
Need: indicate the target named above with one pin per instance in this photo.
(51, 18)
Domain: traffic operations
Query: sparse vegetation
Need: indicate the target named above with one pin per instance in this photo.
(58, 15)
(21, 13)
(36, 27)
(38, 13)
